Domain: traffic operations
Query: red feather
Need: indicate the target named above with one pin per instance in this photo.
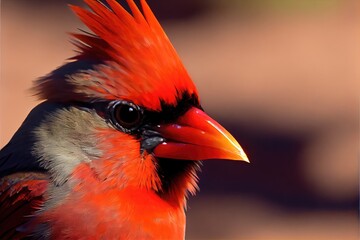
(115, 188)
(113, 213)
(137, 60)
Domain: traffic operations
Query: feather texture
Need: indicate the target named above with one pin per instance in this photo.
(71, 173)
(21, 194)
(135, 60)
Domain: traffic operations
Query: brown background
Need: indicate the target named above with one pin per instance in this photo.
(283, 76)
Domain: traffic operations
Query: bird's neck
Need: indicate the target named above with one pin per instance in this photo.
(171, 180)
(135, 213)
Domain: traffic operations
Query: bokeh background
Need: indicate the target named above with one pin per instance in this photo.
(282, 75)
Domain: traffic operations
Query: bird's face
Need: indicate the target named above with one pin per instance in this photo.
(129, 145)
(129, 109)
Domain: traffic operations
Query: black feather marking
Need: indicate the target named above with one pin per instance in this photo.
(170, 169)
(169, 113)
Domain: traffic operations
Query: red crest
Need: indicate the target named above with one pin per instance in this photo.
(128, 57)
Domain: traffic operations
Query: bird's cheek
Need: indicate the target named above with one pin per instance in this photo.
(118, 151)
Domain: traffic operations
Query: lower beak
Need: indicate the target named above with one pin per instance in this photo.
(196, 136)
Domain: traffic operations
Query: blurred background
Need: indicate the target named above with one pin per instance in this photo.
(282, 75)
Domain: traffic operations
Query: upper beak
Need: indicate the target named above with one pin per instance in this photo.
(196, 136)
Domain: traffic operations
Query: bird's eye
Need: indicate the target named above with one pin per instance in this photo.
(125, 116)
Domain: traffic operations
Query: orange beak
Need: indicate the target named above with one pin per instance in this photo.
(196, 136)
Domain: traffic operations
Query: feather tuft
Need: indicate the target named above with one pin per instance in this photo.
(135, 60)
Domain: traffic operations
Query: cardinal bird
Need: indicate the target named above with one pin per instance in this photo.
(113, 150)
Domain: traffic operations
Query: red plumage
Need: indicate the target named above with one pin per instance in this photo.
(140, 63)
(113, 151)
(113, 213)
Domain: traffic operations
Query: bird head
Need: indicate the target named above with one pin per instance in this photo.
(126, 107)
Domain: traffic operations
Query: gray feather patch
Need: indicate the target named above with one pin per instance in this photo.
(65, 139)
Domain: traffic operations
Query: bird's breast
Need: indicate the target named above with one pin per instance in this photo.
(96, 211)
